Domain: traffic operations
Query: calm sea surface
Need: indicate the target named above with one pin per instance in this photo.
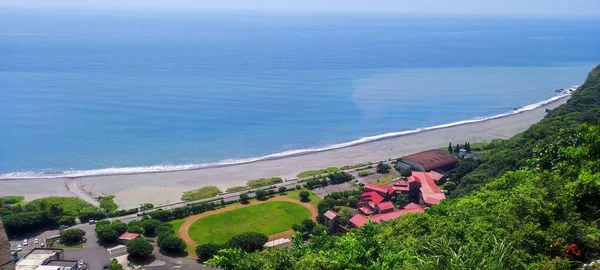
(92, 91)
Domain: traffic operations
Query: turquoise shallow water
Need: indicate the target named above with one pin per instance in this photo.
(93, 91)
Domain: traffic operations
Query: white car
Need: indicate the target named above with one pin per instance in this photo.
(42, 244)
(25, 242)
(36, 241)
(19, 248)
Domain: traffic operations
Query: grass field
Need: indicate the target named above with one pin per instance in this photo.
(295, 194)
(177, 224)
(267, 218)
(384, 181)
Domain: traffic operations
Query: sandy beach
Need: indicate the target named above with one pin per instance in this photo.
(167, 187)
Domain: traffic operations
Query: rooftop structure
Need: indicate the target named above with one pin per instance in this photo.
(430, 193)
(45, 259)
(331, 214)
(128, 236)
(434, 159)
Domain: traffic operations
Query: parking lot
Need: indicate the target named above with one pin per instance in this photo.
(93, 254)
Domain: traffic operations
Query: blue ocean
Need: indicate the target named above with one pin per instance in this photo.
(89, 93)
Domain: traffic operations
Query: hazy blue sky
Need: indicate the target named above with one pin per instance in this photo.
(527, 8)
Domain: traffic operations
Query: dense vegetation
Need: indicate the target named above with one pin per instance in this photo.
(201, 193)
(512, 154)
(22, 217)
(532, 203)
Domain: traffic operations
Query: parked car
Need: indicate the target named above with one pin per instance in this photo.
(19, 248)
(25, 242)
(92, 221)
(36, 241)
(42, 244)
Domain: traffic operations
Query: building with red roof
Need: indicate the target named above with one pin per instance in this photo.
(430, 160)
(128, 236)
(360, 220)
(332, 219)
(430, 194)
(385, 207)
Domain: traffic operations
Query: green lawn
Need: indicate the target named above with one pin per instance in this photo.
(177, 224)
(384, 181)
(267, 218)
(295, 194)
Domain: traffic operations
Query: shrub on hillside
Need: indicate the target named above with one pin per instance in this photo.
(249, 241)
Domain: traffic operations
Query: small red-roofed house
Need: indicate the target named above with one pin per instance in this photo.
(384, 207)
(358, 220)
(128, 236)
(331, 220)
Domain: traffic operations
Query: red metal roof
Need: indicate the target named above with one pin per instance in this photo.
(358, 220)
(381, 189)
(429, 190)
(413, 206)
(371, 196)
(432, 159)
(129, 236)
(366, 210)
(331, 214)
(385, 206)
(436, 175)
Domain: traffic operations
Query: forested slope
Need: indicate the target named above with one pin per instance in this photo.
(534, 203)
(508, 155)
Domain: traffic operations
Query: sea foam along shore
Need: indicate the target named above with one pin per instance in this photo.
(291, 153)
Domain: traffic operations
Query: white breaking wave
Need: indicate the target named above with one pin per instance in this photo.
(182, 167)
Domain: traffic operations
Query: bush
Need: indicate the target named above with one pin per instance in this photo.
(207, 251)
(236, 189)
(67, 220)
(304, 196)
(201, 193)
(244, 198)
(249, 241)
(261, 182)
(339, 177)
(148, 206)
(115, 265)
(352, 201)
(165, 228)
(119, 226)
(107, 203)
(282, 190)
(171, 243)
(317, 172)
(149, 225)
(72, 236)
(261, 194)
(298, 187)
(135, 226)
(364, 173)
(383, 168)
(406, 172)
(139, 248)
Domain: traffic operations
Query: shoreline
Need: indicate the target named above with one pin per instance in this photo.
(167, 187)
(77, 174)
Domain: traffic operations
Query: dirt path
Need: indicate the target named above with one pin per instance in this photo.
(185, 227)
